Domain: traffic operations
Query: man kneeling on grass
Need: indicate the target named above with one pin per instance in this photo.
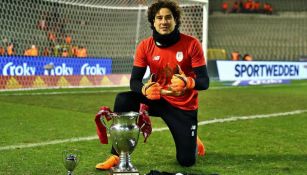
(178, 71)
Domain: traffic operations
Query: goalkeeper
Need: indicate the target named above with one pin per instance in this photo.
(178, 69)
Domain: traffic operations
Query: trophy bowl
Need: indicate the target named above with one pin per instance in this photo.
(124, 134)
(71, 158)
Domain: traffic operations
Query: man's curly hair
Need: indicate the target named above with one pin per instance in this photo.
(171, 5)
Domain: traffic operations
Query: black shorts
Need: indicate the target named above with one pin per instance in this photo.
(181, 123)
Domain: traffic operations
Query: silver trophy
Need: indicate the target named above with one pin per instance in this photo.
(124, 134)
(71, 158)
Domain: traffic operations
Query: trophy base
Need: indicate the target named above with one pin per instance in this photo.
(116, 171)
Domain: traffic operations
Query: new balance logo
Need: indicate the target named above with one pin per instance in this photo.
(156, 58)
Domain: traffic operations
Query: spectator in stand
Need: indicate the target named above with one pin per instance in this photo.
(67, 46)
(57, 50)
(235, 7)
(74, 50)
(235, 56)
(248, 6)
(26, 52)
(33, 51)
(267, 8)
(247, 57)
(257, 7)
(2, 51)
(224, 7)
(10, 49)
(81, 52)
(52, 36)
(46, 52)
(68, 39)
(52, 39)
(65, 52)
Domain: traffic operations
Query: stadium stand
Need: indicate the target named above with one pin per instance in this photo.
(279, 5)
(280, 36)
(106, 29)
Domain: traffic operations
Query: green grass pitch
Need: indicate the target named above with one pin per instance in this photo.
(37, 125)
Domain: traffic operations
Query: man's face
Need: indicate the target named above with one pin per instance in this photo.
(164, 21)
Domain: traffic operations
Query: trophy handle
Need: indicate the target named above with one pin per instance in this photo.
(103, 122)
(106, 112)
(108, 115)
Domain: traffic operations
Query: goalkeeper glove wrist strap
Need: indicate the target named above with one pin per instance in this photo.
(190, 83)
(146, 86)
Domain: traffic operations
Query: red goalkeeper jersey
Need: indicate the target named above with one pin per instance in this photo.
(187, 53)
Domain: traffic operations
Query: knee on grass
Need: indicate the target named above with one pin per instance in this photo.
(186, 161)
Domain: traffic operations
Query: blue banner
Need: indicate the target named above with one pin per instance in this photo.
(28, 66)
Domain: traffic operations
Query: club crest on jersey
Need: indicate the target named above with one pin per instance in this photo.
(179, 56)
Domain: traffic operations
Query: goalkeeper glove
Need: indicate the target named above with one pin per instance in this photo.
(152, 90)
(180, 82)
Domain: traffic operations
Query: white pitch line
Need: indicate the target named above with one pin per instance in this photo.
(22, 93)
(25, 92)
(230, 119)
(222, 120)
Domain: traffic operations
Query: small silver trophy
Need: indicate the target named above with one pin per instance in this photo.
(124, 133)
(71, 158)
